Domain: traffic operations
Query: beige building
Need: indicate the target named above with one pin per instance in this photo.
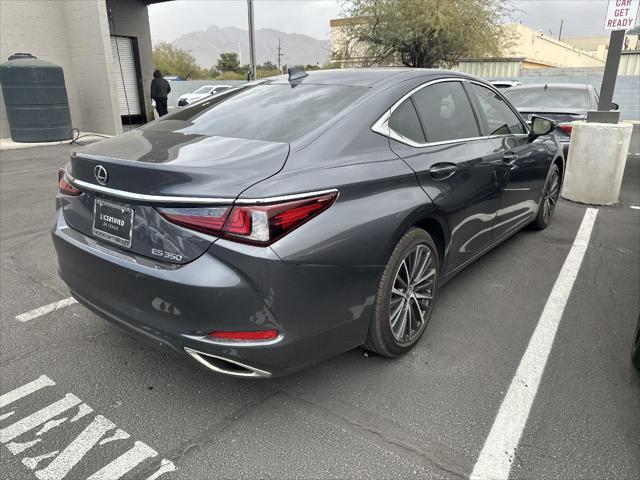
(542, 51)
(345, 52)
(598, 45)
(529, 48)
(104, 48)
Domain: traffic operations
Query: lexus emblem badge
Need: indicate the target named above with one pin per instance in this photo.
(101, 174)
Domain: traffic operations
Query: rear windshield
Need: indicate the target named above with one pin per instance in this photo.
(272, 112)
(533, 98)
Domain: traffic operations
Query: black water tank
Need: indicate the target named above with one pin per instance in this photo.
(36, 100)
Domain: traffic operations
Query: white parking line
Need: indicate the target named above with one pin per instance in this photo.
(38, 312)
(24, 390)
(66, 460)
(635, 207)
(499, 449)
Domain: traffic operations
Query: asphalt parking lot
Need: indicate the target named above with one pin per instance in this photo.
(79, 398)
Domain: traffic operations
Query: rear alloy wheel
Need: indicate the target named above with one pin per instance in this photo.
(549, 199)
(405, 297)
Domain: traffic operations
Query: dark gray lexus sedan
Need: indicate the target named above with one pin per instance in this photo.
(290, 219)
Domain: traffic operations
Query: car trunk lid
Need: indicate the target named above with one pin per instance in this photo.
(165, 162)
(555, 114)
(153, 167)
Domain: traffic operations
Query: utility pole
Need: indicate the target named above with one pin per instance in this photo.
(280, 55)
(560, 34)
(252, 40)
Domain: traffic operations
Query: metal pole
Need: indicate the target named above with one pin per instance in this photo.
(279, 57)
(611, 70)
(560, 34)
(252, 40)
(609, 81)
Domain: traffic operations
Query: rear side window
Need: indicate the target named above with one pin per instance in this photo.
(445, 112)
(272, 112)
(499, 117)
(404, 120)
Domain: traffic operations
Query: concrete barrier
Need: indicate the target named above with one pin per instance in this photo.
(597, 157)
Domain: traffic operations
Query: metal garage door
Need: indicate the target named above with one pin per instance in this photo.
(124, 62)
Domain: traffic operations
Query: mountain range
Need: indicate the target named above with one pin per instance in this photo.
(297, 49)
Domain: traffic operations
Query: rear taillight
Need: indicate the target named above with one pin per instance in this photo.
(566, 128)
(254, 224)
(65, 186)
(249, 336)
(206, 219)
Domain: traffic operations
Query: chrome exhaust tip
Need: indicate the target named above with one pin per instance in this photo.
(226, 366)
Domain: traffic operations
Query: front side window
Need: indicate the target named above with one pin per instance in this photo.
(404, 121)
(499, 117)
(445, 112)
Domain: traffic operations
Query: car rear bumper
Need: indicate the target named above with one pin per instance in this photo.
(318, 311)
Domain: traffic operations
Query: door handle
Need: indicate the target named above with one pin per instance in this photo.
(440, 171)
(509, 158)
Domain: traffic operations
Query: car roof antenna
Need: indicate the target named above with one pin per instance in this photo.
(296, 73)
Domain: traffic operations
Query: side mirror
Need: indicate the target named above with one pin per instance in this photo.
(541, 126)
(614, 106)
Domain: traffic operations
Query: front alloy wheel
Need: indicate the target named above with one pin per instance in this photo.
(405, 296)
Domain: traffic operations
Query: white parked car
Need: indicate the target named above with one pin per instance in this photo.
(504, 84)
(202, 92)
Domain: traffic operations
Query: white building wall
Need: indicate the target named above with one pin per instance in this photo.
(92, 65)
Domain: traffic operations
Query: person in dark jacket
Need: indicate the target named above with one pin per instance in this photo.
(160, 89)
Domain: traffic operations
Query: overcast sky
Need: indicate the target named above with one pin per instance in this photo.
(169, 20)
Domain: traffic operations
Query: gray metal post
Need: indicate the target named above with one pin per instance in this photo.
(252, 41)
(604, 113)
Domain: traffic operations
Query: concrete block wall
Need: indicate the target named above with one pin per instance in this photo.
(39, 28)
(75, 34)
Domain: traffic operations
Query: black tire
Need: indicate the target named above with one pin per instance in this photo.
(635, 348)
(381, 338)
(550, 195)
